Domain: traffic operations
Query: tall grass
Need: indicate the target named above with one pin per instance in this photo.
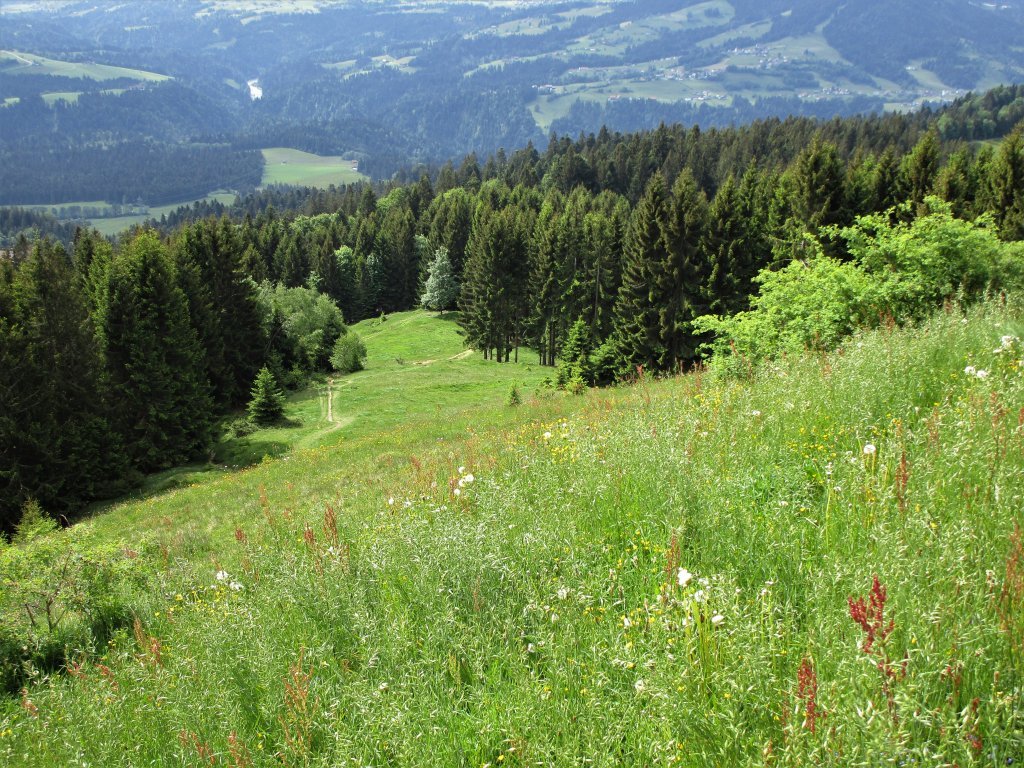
(815, 567)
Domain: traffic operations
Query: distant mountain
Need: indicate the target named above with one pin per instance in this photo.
(424, 80)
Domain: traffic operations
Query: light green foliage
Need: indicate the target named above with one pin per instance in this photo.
(310, 321)
(62, 596)
(918, 265)
(900, 271)
(574, 365)
(441, 290)
(513, 398)
(349, 353)
(806, 305)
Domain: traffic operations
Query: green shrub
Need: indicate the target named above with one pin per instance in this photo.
(349, 353)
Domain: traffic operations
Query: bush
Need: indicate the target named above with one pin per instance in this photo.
(349, 353)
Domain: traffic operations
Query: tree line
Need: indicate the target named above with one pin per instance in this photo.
(599, 254)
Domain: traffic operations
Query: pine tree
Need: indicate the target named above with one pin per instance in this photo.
(267, 403)
(441, 291)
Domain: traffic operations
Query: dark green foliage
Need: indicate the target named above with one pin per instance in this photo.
(349, 353)
(513, 398)
(56, 444)
(638, 339)
(575, 367)
(153, 359)
(266, 405)
(1006, 186)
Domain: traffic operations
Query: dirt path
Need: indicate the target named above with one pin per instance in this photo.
(461, 355)
(330, 400)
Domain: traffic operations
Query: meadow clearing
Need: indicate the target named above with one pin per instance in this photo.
(818, 563)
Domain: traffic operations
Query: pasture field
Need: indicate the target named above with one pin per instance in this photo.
(820, 563)
(292, 166)
(15, 62)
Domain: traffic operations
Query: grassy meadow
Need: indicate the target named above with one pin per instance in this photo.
(293, 166)
(820, 563)
(15, 63)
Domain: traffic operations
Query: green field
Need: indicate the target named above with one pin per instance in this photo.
(292, 166)
(16, 62)
(814, 565)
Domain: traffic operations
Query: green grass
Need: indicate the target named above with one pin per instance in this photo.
(292, 166)
(117, 224)
(17, 62)
(394, 610)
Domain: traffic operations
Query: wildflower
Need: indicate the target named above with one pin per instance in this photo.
(685, 577)
(469, 478)
(391, 501)
(717, 619)
(970, 370)
(221, 575)
(640, 685)
(531, 648)
(563, 593)
(457, 491)
(699, 596)
(982, 374)
(626, 623)
(869, 449)
(236, 586)
(1007, 342)
(461, 470)
(547, 435)
(755, 414)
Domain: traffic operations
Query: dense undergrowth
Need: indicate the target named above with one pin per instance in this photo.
(819, 565)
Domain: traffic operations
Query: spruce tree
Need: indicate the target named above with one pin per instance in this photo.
(267, 403)
(153, 358)
(681, 273)
(441, 291)
(637, 334)
(1006, 185)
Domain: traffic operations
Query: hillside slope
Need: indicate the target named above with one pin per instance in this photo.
(816, 566)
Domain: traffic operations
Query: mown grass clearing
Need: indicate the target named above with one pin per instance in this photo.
(303, 169)
(817, 565)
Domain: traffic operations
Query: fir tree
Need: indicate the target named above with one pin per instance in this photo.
(153, 359)
(637, 334)
(441, 291)
(267, 403)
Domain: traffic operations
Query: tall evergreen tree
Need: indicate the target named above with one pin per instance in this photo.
(56, 444)
(680, 275)
(441, 291)
(637, 335)
(1006, 184)
(153, 358)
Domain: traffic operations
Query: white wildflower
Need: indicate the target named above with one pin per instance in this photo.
(563, 593)
(469, 478)
(684, 577)
(626, 623)
(1007, 342)
(640, 685)
(982, 374)
(391, 501)
(755, 414)
(236, 586)
(462, 470)
(699, 596)
(547, 435)
(717, 619)
(869, 449)
(531, 648)
(457, 491)
(970, 370)
(221, 575)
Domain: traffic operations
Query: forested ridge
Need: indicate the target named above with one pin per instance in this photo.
(606, 255)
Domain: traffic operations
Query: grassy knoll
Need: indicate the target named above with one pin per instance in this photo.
(16, 62)
(292, 166)
(814, 566)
